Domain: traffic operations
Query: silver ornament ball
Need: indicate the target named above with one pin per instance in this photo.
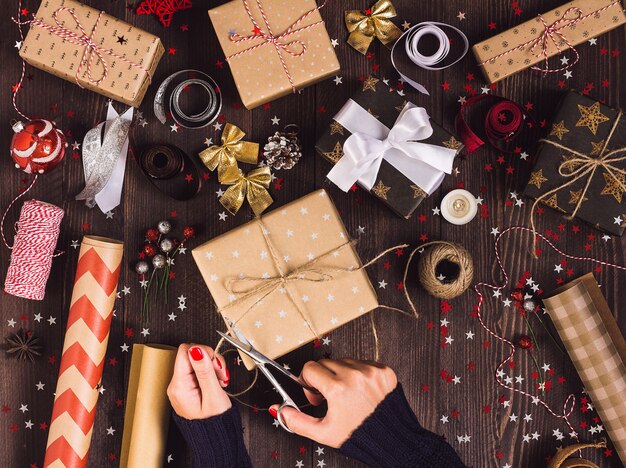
(142, 267)
(158, 261)
(529, 305)
(164, 227)
(166, 245)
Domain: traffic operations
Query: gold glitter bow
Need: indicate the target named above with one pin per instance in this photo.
(252, 186)
(363, 26)
(225, 157)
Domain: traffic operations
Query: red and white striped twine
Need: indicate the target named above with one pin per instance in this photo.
(37, 232)
(568, 405)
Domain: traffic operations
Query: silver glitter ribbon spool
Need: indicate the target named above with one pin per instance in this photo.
(169, 94)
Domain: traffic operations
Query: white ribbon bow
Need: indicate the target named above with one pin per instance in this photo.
(371, 142)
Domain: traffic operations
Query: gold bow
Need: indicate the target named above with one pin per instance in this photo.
(363, 26)
(225, 157)
(252, 186)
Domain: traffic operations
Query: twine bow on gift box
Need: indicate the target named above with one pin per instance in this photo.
(251, 186)
(372, 142)
(295, 48)
(373, 22)
(86, 40)
(232, 149)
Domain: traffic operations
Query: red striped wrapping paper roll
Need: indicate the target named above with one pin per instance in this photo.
(84, 348)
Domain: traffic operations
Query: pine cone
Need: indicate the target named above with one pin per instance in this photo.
(282, 150)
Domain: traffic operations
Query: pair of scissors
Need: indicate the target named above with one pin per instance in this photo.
(264, 363)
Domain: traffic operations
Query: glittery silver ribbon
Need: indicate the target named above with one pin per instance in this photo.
(104, 160)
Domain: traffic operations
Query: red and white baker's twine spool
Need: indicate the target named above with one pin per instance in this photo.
(33, 247)
(568, 406)
(553, 33)
(277, 41)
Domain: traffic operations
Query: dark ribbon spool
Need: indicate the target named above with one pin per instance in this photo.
(169, 169)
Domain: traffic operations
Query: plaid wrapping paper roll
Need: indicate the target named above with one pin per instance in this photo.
(597, 348)
(84, 348)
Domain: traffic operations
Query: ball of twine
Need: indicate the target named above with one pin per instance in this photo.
(440, 251)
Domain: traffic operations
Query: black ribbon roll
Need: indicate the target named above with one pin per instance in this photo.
(171, 171)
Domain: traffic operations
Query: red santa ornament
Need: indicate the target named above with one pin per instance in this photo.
(37, 146)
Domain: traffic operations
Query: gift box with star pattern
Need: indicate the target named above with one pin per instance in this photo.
(581, 164)
(288, 277)
(392, 187)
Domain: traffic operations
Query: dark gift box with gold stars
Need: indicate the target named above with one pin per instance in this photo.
(581, 164)
(388, 146)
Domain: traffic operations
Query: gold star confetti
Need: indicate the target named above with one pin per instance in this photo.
(615, 186)
(452, 143)
(537, 178)
(380, 190)
(418, 192)
(370, 83)
(596, 148)
(558, 130)
(336, 154)
(336, 127)
(591, 117)
(575, 197)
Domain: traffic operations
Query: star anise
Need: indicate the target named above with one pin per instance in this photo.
(24, 345)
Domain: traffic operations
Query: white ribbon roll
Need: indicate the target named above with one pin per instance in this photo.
(412, 38)
(371, 141)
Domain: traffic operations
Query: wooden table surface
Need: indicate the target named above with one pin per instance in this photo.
(471, 407)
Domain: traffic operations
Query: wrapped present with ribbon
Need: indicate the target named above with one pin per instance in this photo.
(389, 146)
(93, 49)
(545, 36)
(273, 47)
(581, 164)
(288, 277)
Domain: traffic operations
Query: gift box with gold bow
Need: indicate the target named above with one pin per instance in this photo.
(92, 49)
(388, 146)
(545, 36)
(288, 277)
(273, 47)
(581, 164)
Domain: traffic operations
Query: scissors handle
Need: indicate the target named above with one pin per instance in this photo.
(279, 416)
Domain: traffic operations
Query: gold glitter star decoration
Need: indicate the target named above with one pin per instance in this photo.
(569, 164)
(596, 148)
(575, 197)
(380, 190)
(537, 178)
(370, 83)
(336, 127)
(558, 130)
(418, 192)
(336, 154)
(452, 143)
(615, 185)
(401, 106)
(553, 203)
(591, 117)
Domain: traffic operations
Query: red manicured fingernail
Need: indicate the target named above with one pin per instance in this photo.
(226, 382)
(227, 375)
(196, 353)
(219, 363)
(273, 412)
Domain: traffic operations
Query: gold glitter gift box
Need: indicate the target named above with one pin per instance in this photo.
(288, 277)
(274, 50)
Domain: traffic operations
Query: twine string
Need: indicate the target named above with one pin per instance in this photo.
(441, 251)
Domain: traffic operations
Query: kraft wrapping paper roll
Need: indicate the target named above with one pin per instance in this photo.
(596, 346)
(147, 417)
(84, 349)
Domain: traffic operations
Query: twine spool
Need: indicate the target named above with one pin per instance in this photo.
(33, 249)
(445, 269)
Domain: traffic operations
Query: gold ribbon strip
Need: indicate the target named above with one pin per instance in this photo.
(232, 149)
(561, 460)
(374, 22)
(252, 186)
(580, 167)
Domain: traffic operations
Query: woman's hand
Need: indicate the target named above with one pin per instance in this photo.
(196, 390)
(353, 390)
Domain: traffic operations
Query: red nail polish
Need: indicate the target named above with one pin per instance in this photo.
(196, 353)
(227, 375)
(273, 412)
(226, 382)
(219, 363)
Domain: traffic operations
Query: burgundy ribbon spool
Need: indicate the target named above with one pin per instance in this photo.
(171, 170)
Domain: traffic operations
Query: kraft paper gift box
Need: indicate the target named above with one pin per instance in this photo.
(522, 46)
(121, 62)
(402, 181)
(303, 54)
(323, 285)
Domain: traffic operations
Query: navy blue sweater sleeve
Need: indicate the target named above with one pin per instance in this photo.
(392, 437)
(216, 442)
